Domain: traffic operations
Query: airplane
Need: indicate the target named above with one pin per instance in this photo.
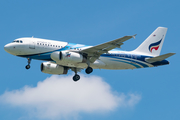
(62, 56)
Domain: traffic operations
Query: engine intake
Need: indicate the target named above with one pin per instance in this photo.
(52, 68)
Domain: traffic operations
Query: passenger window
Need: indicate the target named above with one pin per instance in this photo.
(17, 41)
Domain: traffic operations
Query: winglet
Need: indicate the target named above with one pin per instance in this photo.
(134, 36)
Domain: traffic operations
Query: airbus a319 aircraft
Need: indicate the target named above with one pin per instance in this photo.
(62, 56)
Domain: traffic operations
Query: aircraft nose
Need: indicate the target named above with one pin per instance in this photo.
(6, 48)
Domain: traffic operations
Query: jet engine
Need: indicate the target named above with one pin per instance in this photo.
(65, 56)
(53, 68)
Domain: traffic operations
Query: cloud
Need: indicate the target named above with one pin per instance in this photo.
(60, 97)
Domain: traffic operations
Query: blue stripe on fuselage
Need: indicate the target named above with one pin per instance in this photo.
(128, 57)
(135, 65)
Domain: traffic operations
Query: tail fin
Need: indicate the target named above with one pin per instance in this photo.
(153, 44)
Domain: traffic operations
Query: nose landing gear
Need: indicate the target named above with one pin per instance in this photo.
(28, 66)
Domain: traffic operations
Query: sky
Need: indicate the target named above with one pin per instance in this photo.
(149, 93)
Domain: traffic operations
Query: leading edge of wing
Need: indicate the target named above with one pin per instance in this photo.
(105, 47)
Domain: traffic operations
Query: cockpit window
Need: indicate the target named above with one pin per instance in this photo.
(17, 41)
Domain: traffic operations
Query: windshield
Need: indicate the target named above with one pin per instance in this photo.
(17, 41)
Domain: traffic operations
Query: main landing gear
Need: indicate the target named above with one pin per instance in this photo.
(89, 70)
(76, 77)
(28, 66)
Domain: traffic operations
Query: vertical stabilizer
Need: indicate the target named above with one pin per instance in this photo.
(153, 44)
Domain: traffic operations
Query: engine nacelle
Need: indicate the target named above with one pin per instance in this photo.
(53, 68)
(65, 56)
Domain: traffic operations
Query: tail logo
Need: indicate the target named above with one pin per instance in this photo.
(154, 46)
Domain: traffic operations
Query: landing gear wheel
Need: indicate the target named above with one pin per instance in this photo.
(76, 77)
(27, 66)
(29, 61)
(89, 70)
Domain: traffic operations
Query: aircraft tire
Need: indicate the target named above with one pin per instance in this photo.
(76, 77)
(27, 66)
(89, 70)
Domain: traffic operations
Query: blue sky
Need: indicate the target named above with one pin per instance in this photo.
(150, 93)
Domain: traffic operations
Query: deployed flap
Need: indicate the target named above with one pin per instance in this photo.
(159, 58)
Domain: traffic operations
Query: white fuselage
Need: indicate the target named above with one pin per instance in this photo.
(62, 56)
(41, 49)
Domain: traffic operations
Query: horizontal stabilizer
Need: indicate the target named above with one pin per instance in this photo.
(159, 58)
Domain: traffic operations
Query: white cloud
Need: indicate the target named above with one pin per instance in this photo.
(60, 97)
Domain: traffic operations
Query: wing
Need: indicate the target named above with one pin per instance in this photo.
(94, 52)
